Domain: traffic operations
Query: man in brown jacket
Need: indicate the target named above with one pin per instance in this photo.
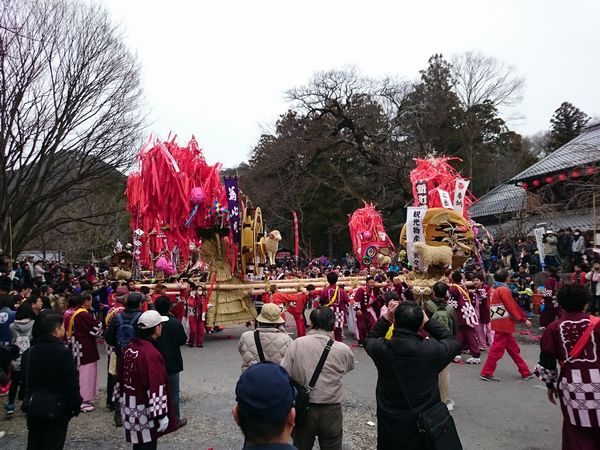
(324, 419)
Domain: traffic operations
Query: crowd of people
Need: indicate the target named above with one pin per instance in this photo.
(69, 311)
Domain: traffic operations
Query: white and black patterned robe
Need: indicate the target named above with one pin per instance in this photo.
(143, 391)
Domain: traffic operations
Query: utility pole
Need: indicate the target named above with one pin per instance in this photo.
(594, 220)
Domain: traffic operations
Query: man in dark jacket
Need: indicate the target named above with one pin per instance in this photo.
(408, 366)
(172, 338)
(48, 366)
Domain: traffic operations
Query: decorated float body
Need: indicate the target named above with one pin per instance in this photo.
(181, 211)
(371, 244)
(438, 233)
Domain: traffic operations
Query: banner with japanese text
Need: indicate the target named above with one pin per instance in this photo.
(233, 205)
(460, 190)
(414, 233)
(445, 199)
(422, 193)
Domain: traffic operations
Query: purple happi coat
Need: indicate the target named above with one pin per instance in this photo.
(459, 299)
(82, 338)
(578, 381)
(338, 306)
(143, 391)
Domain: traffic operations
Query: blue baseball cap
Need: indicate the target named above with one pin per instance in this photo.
(265, 390)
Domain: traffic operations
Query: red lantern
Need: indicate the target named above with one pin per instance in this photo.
(549, 180)
(590, 170)
(524, 185)
(575, 174)
(563, 177)
(537, 182)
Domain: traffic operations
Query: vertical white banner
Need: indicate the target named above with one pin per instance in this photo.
(539, 236)
(414, 232)
(445, 199)
(460, 190)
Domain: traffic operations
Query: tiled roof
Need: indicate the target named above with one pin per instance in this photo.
(576, 219)
(505, 198)
(582, 150)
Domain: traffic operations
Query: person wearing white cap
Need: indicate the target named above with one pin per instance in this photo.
(142, 386)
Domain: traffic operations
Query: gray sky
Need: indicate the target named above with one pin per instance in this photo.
(219, 69)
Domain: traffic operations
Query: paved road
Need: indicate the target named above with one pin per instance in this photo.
(511, 414)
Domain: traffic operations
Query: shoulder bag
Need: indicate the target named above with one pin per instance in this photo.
(302, 401)
(435, 423)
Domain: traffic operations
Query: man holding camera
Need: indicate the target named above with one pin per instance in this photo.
(408, 366)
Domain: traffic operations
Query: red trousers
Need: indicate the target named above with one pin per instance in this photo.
(469, 336)
(337, 334)
(300, 326)
(364, 323)
(502, 342)
(196, 331)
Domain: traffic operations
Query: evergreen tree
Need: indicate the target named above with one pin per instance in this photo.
(567, 123)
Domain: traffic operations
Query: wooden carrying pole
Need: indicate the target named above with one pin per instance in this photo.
(256, 288)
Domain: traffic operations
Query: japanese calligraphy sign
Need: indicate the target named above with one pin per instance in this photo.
(422, 193)
(460, 190)
(414, 233)
(445, 199)
(233, 205)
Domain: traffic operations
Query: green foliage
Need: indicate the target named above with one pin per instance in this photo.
(567, 122)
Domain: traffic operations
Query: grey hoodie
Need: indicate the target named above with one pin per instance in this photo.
(20, 331)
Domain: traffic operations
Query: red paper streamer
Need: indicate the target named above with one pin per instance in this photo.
(158, 196)
(438, 174)
(366, 230)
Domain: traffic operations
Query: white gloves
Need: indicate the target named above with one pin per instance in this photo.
(162, 424)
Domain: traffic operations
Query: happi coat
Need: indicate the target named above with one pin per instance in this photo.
(577, 380)
(459, 299)
(82, 330)
(335, 297)
(143, 392)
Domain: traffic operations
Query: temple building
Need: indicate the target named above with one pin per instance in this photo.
(560, 190)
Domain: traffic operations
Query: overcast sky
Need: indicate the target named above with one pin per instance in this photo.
(219, 69)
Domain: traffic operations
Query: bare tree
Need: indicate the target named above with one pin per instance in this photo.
(481, 78)
(70, 107)
(482, 82)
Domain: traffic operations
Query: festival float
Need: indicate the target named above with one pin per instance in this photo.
(438, 233)
(371, 244)
(185, 217)
(182, 214)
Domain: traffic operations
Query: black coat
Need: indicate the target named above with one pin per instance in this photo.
(172, 337)
(417, 362)
(48, 364)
